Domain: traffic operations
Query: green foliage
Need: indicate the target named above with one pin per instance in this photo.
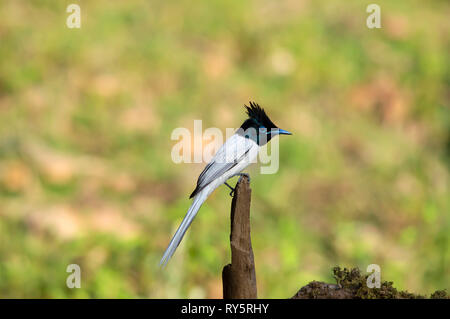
(86, 117)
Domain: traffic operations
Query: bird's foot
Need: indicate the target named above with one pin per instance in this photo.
(232, 189)
(241, 175)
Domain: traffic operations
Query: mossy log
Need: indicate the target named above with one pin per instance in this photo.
(351, 284)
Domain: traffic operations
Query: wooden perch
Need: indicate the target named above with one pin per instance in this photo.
(239, 277)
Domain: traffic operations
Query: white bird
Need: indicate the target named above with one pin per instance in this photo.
(238, 152)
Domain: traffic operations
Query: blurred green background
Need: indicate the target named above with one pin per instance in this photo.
(86, 116)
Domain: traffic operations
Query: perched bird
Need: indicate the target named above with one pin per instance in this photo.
(238, 152)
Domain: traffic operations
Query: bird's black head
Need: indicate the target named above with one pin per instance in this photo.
(258, 126)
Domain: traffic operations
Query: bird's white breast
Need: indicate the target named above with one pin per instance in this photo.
(235, 147)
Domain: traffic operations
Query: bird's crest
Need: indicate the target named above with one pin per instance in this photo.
(258, 114)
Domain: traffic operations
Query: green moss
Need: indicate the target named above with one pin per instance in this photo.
(357, 283)
(440, 294)
(350, 284)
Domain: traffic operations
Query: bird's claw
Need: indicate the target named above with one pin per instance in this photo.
(232, 189)
(241, 175)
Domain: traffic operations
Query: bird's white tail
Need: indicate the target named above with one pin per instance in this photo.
(187, 220)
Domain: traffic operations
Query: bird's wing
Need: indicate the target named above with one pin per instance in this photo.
(232, 152)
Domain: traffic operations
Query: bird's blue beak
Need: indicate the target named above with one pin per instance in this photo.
(283, 132)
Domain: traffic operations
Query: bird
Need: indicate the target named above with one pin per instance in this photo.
(238, 152)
